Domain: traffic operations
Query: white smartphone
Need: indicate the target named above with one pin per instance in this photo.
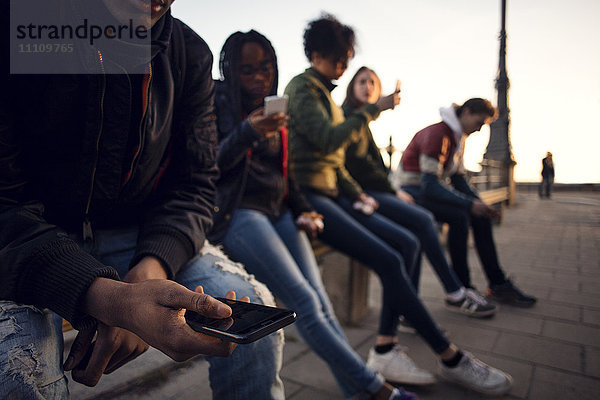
(276, 104)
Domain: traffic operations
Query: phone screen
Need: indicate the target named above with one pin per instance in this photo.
(276, 104)
(247, 319)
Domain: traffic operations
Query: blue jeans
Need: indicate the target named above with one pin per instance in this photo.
(459, 220)
(422, 224)
(280, 256)
(390, 251)
(33, 340)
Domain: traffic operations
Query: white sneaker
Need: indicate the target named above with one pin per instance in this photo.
(396, 366)
(477, 375)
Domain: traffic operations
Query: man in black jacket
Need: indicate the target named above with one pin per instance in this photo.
(105, 175)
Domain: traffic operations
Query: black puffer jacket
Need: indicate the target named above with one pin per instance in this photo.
(68, 163)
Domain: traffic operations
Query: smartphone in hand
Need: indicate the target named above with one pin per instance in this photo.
(398, 86)
(247, 323)
(276, 104)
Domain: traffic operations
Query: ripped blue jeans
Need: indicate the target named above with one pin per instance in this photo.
(31, 341)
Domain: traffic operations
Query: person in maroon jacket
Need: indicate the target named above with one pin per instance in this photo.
(434, 155)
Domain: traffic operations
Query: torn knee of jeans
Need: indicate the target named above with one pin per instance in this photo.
(23, 363)
(8, 327)
(8, 323)
(260, 290)
(7, 307)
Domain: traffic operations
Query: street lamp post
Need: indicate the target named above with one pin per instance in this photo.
(499, 149)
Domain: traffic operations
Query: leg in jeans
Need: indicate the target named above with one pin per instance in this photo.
(281, 257)
(421, 223)
(299, 247)
(252, 371)
(458, 221)
(31, 344)
(348, 235)
(486, 249)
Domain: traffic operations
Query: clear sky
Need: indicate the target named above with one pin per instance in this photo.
(446, 51)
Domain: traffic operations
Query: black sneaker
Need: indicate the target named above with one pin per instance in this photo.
(473, 305)
(508, 293)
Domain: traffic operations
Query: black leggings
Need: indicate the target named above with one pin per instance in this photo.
(388, 249)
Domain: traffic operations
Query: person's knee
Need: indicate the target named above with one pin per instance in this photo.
(237, 278)
(31, 366)
(413, 245)
(393, 271)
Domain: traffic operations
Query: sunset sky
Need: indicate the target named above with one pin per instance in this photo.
(446, 51)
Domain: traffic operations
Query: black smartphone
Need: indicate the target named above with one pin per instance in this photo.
(248, 321)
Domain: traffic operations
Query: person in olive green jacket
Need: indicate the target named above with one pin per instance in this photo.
(319, 135)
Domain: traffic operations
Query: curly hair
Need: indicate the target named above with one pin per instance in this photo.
(230, 59)
(328, 37)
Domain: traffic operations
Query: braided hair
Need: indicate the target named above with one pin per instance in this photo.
(229, 64)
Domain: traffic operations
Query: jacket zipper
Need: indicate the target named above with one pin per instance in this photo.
(146, 89)
(88, 234)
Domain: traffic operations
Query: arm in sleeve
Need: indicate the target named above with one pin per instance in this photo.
(312, 120)
(432, 189)
(431, 164)
(174, 228)
(363, 164)
(347, 184)
(297, 202)
(235, 139)
(39, 264)
(459, 181)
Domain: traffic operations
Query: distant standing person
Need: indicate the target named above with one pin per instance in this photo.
(547, 176)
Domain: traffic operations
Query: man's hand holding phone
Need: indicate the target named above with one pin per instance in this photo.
(247, 323)
(151, 312)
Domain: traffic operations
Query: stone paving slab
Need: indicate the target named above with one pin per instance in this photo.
(548, 384)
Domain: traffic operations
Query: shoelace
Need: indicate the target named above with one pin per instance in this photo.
(476, 297)
(400, 351)
(479, 369)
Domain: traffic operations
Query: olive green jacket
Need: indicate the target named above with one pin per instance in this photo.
(364, 162)
(319, 135)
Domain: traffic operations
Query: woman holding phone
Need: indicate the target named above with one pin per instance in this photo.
(262, 219)
(319, 135)
(364, 162)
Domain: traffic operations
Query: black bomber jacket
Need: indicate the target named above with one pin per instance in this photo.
(68, 165)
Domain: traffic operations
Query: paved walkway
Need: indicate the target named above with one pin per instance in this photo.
(551, 248)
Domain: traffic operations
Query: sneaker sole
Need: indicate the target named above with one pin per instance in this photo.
(512, 302)
(483, 314)
(496, 391)
(405, 381)
(410, 382)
